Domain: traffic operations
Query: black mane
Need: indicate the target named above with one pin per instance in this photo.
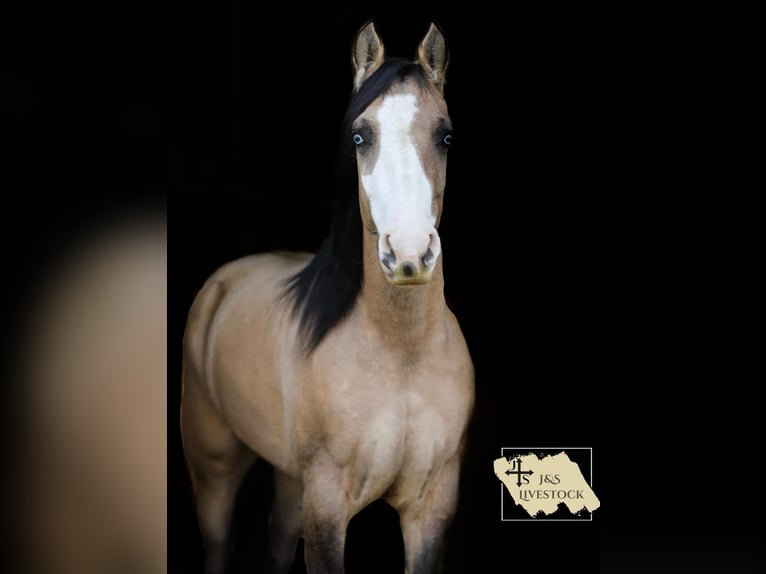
(326, 290)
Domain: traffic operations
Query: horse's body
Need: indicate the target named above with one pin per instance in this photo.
(374, 404)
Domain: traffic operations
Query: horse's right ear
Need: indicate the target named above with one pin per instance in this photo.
(367, 55)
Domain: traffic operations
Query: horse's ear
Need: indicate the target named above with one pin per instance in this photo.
(433, 55)
(367, 55)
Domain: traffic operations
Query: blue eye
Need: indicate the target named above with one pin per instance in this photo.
(447, 139)
(357, 139)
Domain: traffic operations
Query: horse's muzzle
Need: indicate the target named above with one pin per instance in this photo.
(407, 268)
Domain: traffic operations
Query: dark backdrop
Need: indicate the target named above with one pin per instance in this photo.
(578, 255)
(587, 243)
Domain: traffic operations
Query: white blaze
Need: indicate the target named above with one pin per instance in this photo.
(398, 190)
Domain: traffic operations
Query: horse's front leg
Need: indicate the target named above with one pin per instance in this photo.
(285, 521)
(424, 521)
(326, 513)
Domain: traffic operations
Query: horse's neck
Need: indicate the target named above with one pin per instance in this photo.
(405, 317)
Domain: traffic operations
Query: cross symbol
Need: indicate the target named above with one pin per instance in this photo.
(518, 472)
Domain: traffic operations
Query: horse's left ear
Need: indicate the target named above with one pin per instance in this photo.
(433, 55)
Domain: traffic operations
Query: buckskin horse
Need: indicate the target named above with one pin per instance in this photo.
(345, 370)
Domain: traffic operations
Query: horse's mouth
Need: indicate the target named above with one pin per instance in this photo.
(400, 279)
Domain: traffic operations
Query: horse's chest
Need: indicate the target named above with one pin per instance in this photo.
(390, 424)
(399, 446)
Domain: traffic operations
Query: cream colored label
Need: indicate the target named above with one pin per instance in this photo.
(541, 484)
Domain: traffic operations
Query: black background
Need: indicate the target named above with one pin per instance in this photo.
(587, 240)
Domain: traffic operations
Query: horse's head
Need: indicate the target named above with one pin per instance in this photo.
(401, 140)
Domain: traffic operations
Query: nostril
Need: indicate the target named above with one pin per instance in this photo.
(389, 260)
(428, 258)
(387, 255)
(408, 269)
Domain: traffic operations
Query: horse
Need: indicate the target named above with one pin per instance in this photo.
(345, 370)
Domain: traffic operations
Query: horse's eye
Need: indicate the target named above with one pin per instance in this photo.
(357, 138)
(447, 139)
